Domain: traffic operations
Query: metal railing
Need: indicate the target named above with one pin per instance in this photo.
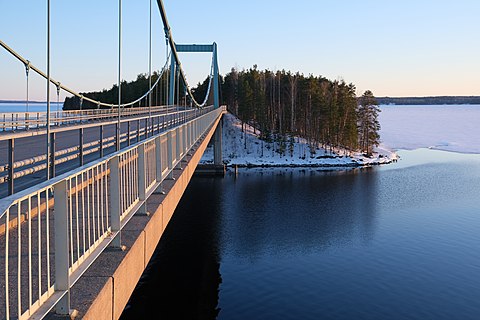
(54, 231)
(12, 121)
(162, 119)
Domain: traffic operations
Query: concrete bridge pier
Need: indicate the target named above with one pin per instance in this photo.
(217, 145)
(217, 168)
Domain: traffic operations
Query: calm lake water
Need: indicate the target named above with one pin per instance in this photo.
(393, 242)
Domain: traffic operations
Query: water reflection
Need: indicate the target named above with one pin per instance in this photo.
(183, 277)
(287, 210)
(394, 242)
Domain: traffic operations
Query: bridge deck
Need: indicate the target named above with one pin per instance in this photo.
(104, 290)
(32, 143)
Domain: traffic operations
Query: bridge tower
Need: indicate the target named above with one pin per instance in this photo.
(196, 48)
(216, 87)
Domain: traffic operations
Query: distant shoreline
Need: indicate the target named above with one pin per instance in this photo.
(437, 100)
(432, 100)
(24, 101)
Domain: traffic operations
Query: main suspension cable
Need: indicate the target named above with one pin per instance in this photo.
(174, 54)
(71, 91)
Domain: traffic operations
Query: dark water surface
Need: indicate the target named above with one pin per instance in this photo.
(395, 242)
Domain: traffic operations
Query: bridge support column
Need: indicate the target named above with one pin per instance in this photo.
(217, 146)
(216, 84)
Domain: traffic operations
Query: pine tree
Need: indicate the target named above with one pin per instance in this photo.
(368, 124)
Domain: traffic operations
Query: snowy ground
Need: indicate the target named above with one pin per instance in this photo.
(259, 153)
(447, 127)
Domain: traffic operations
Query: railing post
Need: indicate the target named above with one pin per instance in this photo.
(101, 142)
(138, 130)
(178, 147)
(142, 179)
(141, 172)
(184, 138)
(190, 134)
(117, 137)
(146, 128)
(11, 169)
(62, 282)
(52, 155)
(158, 163)
(80, 146)
(115, 194)
(128, 133)
(195, 135)
(189, 138)
(170, 154)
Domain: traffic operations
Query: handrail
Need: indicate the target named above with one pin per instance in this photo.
(162, 119)
(12, 121)
(85, 209)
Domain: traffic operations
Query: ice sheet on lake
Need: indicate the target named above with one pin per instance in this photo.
(446, 127)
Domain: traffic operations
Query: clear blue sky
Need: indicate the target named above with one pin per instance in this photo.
(395, 48)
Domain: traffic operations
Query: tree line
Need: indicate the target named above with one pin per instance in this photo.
(282, 105)
(131, 91)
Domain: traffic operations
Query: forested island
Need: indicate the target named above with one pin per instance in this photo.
(281, 105)
(284, 105)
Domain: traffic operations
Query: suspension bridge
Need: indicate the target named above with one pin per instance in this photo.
(86, 194)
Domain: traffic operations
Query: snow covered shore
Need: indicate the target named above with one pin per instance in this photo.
(247, 150)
